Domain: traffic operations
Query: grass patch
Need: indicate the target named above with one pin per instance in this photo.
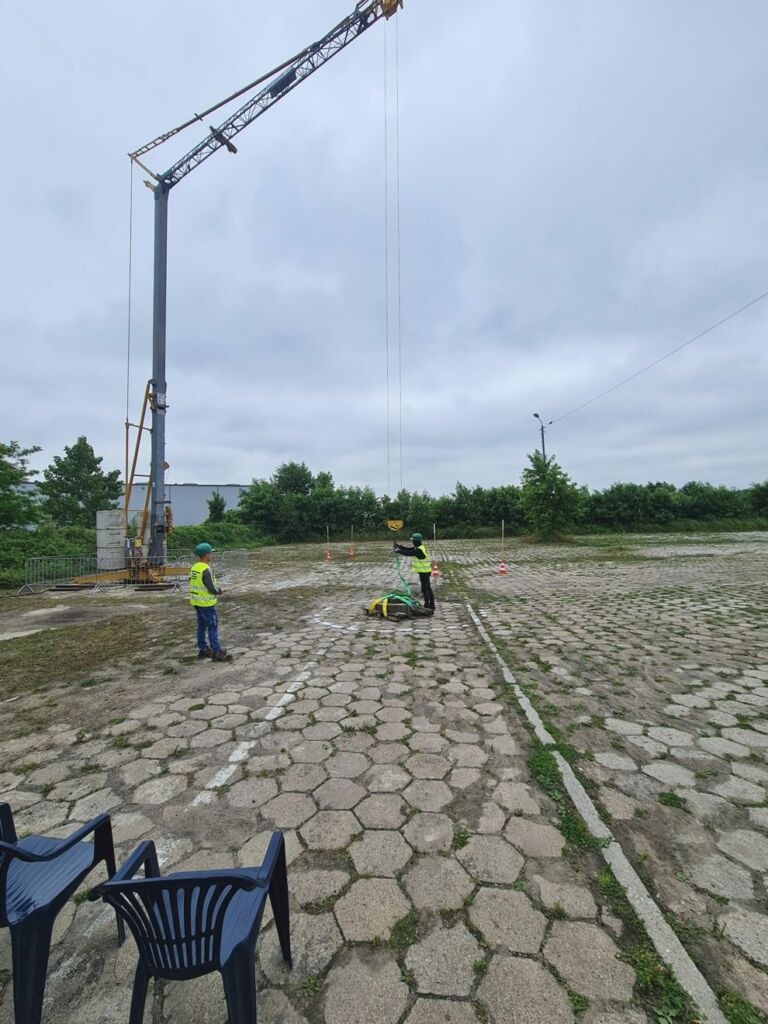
(460, 839)
(405, 932)
(673, 800)
(579, 1002)
(656, 985)
(544, 769)
(740, 1011)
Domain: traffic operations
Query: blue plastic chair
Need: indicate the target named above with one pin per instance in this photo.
(37, 877)
(190, 924)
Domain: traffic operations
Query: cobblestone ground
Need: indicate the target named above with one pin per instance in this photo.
(430, 881)
(652, 660)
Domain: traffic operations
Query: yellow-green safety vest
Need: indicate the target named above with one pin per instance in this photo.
(422, 564)
(199, 595)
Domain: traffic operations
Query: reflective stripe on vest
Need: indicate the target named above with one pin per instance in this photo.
(422, 564)
(199, 595)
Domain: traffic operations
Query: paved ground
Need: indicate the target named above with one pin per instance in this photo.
(431, 882)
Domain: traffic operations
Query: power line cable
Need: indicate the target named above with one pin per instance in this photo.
(666, 355)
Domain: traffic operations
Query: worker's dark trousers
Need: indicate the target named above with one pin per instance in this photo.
(426, 590)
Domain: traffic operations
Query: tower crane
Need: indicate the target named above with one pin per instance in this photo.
(284, 80)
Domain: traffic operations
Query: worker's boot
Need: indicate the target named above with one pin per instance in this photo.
(205, 653)
(221, 655)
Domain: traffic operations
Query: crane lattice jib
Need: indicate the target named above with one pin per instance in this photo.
(319, 53)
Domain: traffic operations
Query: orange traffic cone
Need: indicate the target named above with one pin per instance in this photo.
(435, 570)
(502, 568)
(328, 555)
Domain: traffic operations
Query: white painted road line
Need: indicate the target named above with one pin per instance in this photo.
(241, 751)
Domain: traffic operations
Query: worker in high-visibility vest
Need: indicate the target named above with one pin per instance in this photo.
(204, 594)
(422, 565)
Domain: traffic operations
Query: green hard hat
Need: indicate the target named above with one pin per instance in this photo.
(203, 549)
(417, 537)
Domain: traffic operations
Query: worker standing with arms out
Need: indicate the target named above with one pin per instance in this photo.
(203, 596)
(421, 564)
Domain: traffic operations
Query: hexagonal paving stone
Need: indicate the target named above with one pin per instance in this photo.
(365, 987)
(747, 847)
(749, 931)
(442, 963)
(467, 755)
(252, 792)
(427, 766)
(311, 752)
(491, 859)
(252, 852)
(338, 795)
(521, 991)
(428, 796)
(330, 830)
(427, 742)
(100, 802)
(386, 778)
(380, 853)
(316, 885)
(721, 877)
(587, 959)
(160, 790)
(346, 766)
(388, 753)
(315, 941)
(429, 833)
(670, 774)
(441, 1011)
(516, 797)
(437, 883)
(289, 810)
(533, 839)
(370, 909)
(302, 778)
(382, 810)
(573, 900)
(508, 919)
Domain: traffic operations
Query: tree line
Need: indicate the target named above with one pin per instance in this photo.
(295, 505)
(58, 514)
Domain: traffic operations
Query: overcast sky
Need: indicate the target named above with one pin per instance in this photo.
(584, 186)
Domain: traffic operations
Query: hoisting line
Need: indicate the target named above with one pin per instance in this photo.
(399, 304)
(130, 300)
(386, 258)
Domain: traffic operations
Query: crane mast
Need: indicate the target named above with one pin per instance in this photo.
(313, 57)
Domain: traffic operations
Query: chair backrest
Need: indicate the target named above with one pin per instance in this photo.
(7, 835)
(176, 921)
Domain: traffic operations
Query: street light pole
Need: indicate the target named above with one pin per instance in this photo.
(542, 428)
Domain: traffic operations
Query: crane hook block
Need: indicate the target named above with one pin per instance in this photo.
(222, 139)
(390, 7)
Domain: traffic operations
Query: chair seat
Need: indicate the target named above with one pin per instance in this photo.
(32, 886)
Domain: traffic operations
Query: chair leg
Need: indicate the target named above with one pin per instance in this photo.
(109, 857)
(278, 896)
(239, 977)
(30, 948)
(139, 995)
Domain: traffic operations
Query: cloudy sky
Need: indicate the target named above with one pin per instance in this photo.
(584, 186)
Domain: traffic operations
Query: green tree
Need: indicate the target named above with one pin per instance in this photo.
(17, 507)
(293, 478)
(757, 497)
(549, 499)
(74, 486)
(216, 507)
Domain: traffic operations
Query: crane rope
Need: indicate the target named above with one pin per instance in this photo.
(130, 298)
(386, 257)
(396, 284)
